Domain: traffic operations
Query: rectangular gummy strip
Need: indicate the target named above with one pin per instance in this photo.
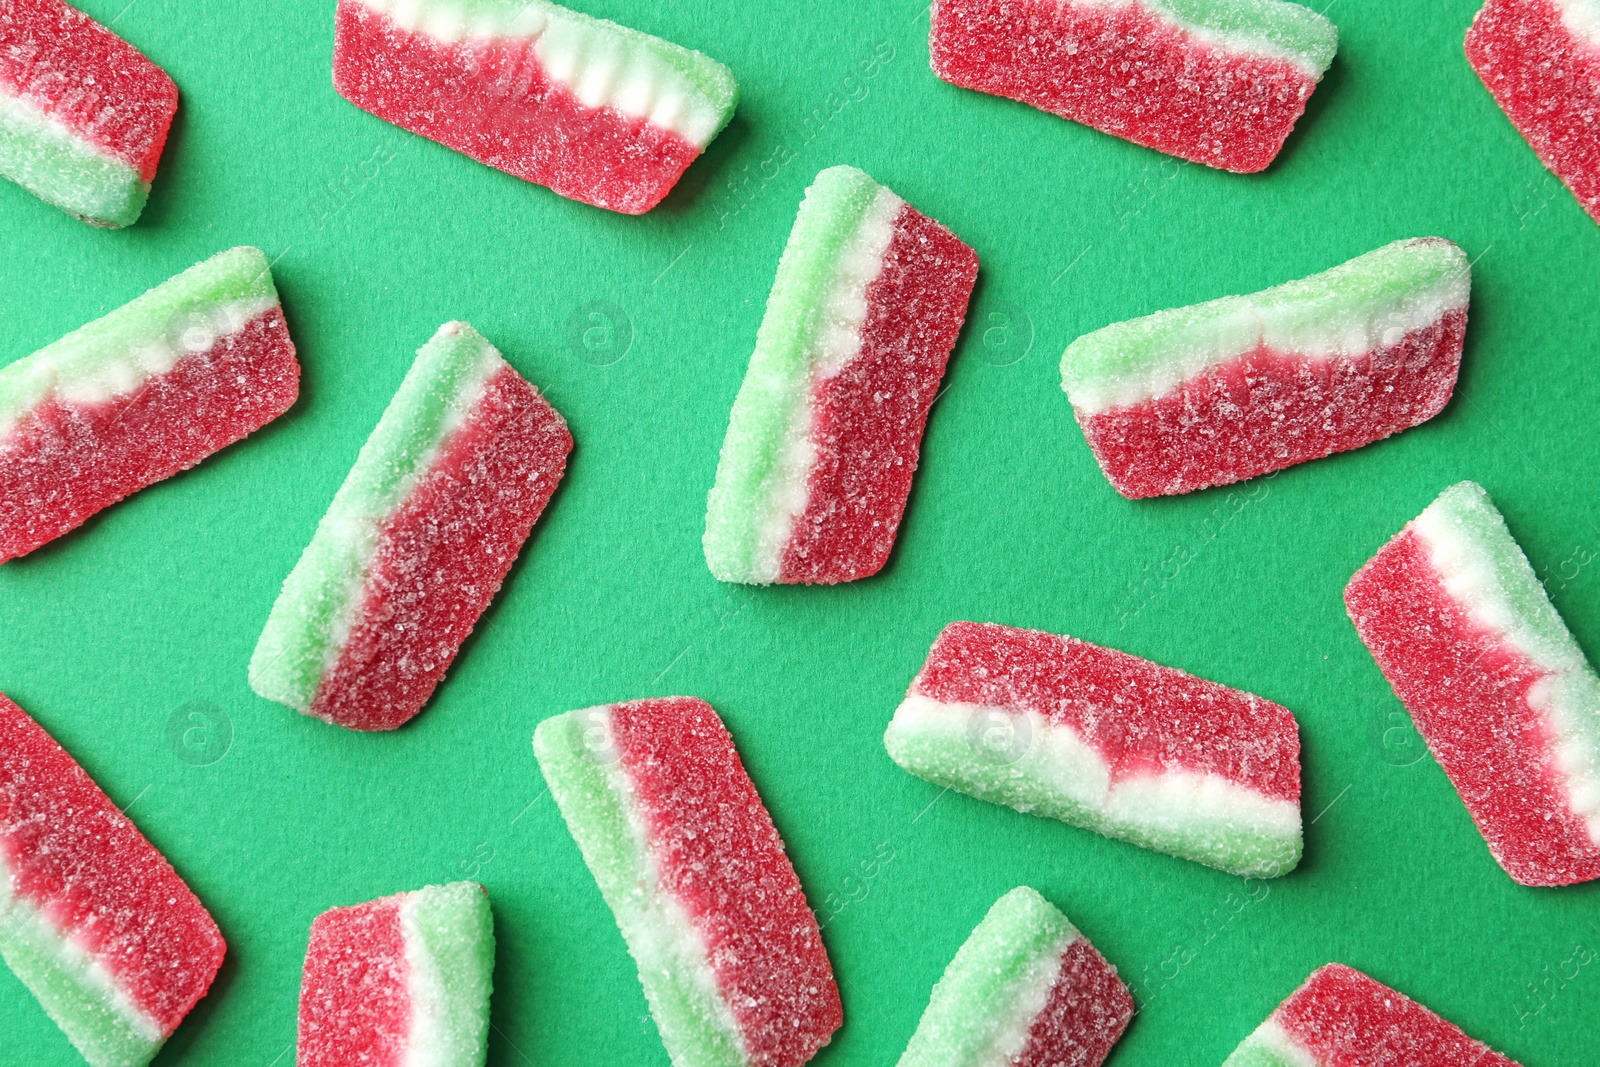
(595, 111)
(417, 541)
(83, 115)
(149, 390)
(1219, 82)
(1463, 630)
(93, 920)
(1026, 989)
(1226, 390)
(1108, 742)
(400, 982)
(1340, 1018)
(1541, 61)
(729, 953)
(825, 433)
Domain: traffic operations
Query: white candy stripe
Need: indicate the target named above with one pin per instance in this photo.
(1031, 996)
(1582, 17)
(836, 341)
(599, 62)
(1273, 1038)
(425, 993)
(362, 529)
(1075, 775)
(22, 923)
(1569, 696)
(657, 927)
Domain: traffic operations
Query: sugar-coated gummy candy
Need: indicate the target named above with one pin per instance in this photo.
(93, 920)
(417, 539)
(1541, 61)
(1465, 633)
(1108, 742)
(402, 981)
(1342, 1018)
(684, 852)
(138, 395)
(83, 115)
(1025, 990)
(1222, 391)
(826, 430)
(1219, 82)
(595, 111)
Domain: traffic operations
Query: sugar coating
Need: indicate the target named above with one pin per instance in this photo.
(1466, 634)
(1220, 82)
(1541, 61)
(93, 920)
(1231, 389)
(596, 111)
(416, 542)
(1108, 742)
(685, 854)
(1025, 988)
(140, 394)
(403, 980)
(1340, 1016)
(83, 115)
(824, 435)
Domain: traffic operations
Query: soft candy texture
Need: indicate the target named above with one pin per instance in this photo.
(137, 396)
(1226, 390)
(1025, 990)
(93, 919)
(1342, 1018)
(687, 857)
(1106, 741)
(1219, 82)
(417, 540)
(400, 982)
(83, 116)
(1464, 632)
(827, 427)
(596, 111)
(1541, 60)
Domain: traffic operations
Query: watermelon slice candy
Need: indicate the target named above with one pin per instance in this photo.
(826, 430)
(416, 542)
(729, 952)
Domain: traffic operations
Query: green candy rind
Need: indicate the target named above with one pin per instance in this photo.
(65, 171)
(457, 932)
(300, 641)
(1020, 936)
(1256, 1053)
(78, 1005)
(772, 399)
(1352, 291)
(1284, 28)
(159, 316)
(947, 756)
(597, 814)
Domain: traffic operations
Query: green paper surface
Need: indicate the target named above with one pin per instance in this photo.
(130, 638)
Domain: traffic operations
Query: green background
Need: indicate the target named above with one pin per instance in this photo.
(114, 636)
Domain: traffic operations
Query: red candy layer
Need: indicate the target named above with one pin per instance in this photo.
(1547, 81)
(442, 555)
(65, 461)
(1467, 691)
(1126, 72)
(1267, 410)
(73, 855)
(80, 73)
(354, 1004)
(721, 857)
(489, 98)
(1342, 1017)
(1141, 717)
(867, 420)
(1087, 1012)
